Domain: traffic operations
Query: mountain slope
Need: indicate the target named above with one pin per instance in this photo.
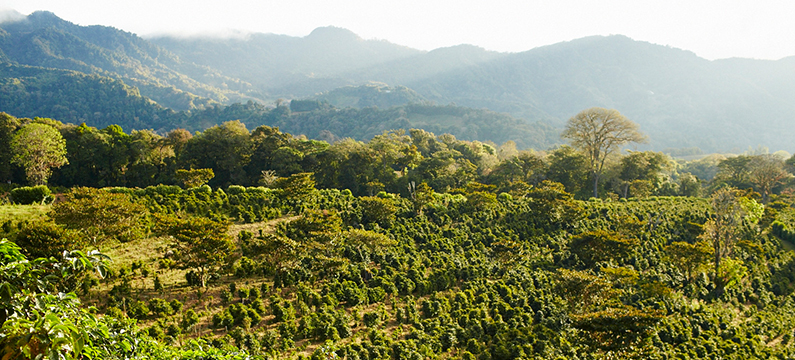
(272, 61)
(372, 94)
(44, 40)
(678, 98)
(73, 97)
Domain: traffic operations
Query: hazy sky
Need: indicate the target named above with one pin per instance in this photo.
(762, 29)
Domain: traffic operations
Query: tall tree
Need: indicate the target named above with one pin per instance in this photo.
(767, 172)
(734, 171)
(598, 132)
(225, 148)
(568, 167)
(725, 228)
(38, 148)
(642, 165)
(8, 125)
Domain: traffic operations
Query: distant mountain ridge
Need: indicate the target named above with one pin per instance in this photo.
(272, 61)
(42, 39)
(679, 99)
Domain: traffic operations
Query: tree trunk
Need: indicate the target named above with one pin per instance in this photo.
(595, 185)
(718, 281)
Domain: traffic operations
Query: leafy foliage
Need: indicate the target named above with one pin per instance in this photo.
(199, 243)
(38, 148)
(26, 195)
(100, 214)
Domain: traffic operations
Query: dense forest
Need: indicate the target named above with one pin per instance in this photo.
(102, 102)
(230, 243)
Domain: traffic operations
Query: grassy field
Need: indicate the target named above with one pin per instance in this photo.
(18, 213)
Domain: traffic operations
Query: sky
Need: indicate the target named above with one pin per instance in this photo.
(762, 29)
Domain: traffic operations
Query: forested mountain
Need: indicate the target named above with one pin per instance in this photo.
(372, 94)
(76, 97)
(44, 40)
(272, 62)
(679, 99)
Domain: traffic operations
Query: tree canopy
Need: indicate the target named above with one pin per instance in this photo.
(38, 148)
(598, 132)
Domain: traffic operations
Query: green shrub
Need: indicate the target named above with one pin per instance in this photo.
(162, 190)
(204, 189)
(176, 305)
(371, 319)
(235, 190)
(258, 190)
(138, 310)
(189, 319)
(45, 239)
(27, 195)
(160, 307)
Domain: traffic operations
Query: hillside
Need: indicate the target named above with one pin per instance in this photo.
(679, 99)
(372, 94)
(44, 40)
(459, 276)
(408, 246)
(274, 61)
(74, 97)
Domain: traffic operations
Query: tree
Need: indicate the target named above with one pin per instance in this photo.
(689, 185)
(377, 210)
(421, 195)
(178, 139)
(526, 166)
(598, 132)
(38, 148)
(199, 243)
(567, 166)
(297, 187)
(725, 227)
(689, 257)
(225, 148)
(593, 247)
(194, 177)
(8, 125)
(371, 241)
(642, 165)
(734, 171)
(767, 172)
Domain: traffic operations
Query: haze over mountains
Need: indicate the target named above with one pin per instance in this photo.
(679, 99)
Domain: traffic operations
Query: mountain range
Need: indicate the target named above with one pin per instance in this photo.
(679, 99)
